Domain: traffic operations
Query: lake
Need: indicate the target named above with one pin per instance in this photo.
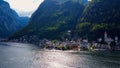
(18, 55)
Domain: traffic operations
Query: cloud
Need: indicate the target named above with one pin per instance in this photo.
(27, 7)
(24, 13)
(89, 0)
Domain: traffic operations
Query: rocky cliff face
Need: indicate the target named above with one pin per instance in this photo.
(9, 20)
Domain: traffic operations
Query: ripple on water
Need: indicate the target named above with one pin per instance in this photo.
(17, 55)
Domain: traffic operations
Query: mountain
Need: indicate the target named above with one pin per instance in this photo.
(84, 2)
(9, 20)
(52, 19)
(98, 17)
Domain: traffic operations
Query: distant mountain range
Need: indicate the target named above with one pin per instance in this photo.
(89, 20)
(10, 22)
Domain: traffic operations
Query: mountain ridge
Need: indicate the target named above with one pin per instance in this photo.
(10, 22)
(100, 16)
(53, 19)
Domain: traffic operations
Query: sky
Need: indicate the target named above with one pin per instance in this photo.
(89, 0)
(24, 7)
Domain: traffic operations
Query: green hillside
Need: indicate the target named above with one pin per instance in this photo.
(100, 16)
(53, 19)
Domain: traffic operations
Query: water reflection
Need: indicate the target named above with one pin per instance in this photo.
(53, 59)
(16, 55)
(68, 59)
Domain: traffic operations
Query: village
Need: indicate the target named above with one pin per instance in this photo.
(110, 44)
(79, 44)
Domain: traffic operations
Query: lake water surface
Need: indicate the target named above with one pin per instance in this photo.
(18, 55)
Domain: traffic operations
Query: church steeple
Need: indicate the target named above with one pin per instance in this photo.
(105, 36)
